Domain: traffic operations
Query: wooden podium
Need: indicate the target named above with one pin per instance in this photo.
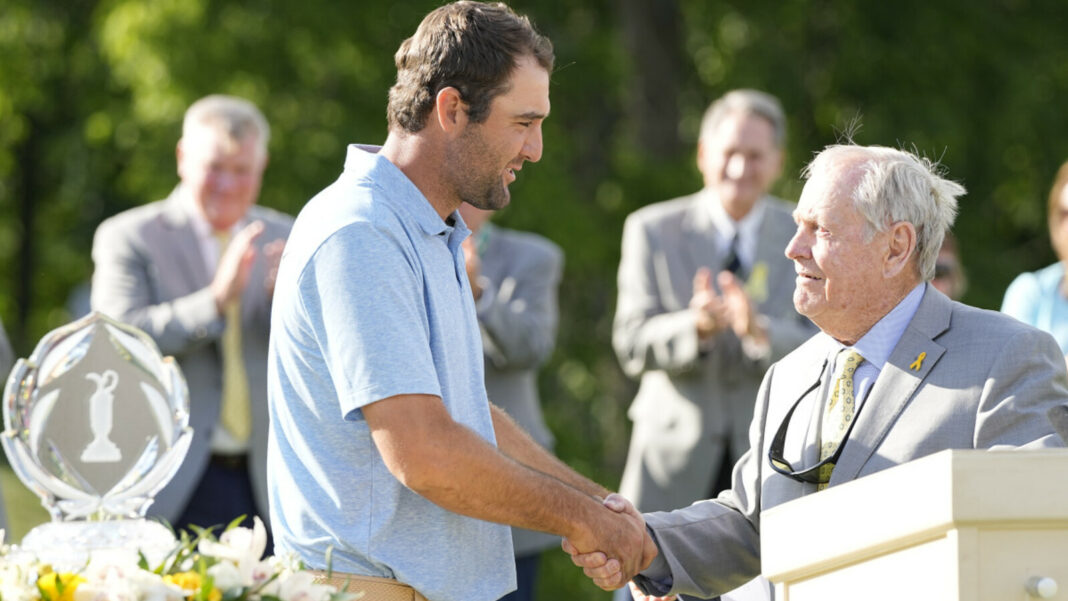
(956, 525)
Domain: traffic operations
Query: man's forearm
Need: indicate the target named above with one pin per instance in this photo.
(453, 467)
(514, 442)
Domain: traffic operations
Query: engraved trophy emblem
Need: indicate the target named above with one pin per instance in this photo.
(96, 422)
(102, 450)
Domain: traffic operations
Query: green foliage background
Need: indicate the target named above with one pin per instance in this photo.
(92, 94)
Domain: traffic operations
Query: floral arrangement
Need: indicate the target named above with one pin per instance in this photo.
(200, 568)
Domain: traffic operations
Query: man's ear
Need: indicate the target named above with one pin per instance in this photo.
(901, 247)
(450, 110)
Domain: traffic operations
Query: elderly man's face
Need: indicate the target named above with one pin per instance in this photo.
(740, 161)
(840, 273)
(221, 174)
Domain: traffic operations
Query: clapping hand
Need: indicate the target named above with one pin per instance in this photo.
(707, 305)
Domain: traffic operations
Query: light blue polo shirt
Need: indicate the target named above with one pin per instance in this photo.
(373, 301)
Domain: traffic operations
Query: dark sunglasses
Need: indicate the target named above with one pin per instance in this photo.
(775, 453)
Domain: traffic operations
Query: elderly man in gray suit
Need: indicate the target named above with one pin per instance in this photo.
(196, 272)
(898, 371)
(514, 279)
(704, 306)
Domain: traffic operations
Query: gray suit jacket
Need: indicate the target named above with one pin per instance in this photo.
(149, 272)
(986, 381)
(518, 315)
(691, 402)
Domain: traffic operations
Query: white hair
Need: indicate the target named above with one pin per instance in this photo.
(891, 185)
(236, 117)
(752, 102)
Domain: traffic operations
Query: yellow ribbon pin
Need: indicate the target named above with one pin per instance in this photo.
(918, 363)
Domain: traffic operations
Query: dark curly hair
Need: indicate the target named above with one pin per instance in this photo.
(470, 46)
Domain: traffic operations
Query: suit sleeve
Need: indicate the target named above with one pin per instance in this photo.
(645, 335)
(713, 546)
(1025, 382)
(122, 289)
(519, 322)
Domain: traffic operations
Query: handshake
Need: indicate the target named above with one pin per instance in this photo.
(614, 547)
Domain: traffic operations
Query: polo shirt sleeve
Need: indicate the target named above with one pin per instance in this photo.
(364, 295)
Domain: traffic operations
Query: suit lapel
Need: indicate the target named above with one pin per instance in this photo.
(770, 258)
(699, 238)
(911, 361)
(179, 236)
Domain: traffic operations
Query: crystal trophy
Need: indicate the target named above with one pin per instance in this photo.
(96, 422)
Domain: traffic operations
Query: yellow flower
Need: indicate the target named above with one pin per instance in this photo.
(190, 583)
(59, 587)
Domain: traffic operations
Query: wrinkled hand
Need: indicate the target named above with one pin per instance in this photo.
(710, 310)
(272, 253)
(473, 265)
(610, 570)
(235, 265)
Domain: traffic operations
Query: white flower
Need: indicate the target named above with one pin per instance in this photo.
(242, 546)
(116, 578)
(226, 575)
(300, 586)
(17, 581)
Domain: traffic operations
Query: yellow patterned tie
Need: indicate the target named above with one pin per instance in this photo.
(235, 414)
(840, 410)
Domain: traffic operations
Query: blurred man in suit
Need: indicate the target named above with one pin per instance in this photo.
(514, 278)
(704, 307)
(898, 372)
(196, 272)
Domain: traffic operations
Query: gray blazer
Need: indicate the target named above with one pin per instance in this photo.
(986, 381)
(692, 401)
(149, 272)
(518, 319)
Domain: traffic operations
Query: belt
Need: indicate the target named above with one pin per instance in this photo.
(373, 587)
(230, 462)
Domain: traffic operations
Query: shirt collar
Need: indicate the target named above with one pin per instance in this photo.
(876, 345)
(404, 195)
(747, 226)
(747, 229)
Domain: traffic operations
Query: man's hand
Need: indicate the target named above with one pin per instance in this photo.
(739, 308)
(235, 265)
(638, 595)
(709, 308)
(610, 569)
(272, 253)
(473, 264)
